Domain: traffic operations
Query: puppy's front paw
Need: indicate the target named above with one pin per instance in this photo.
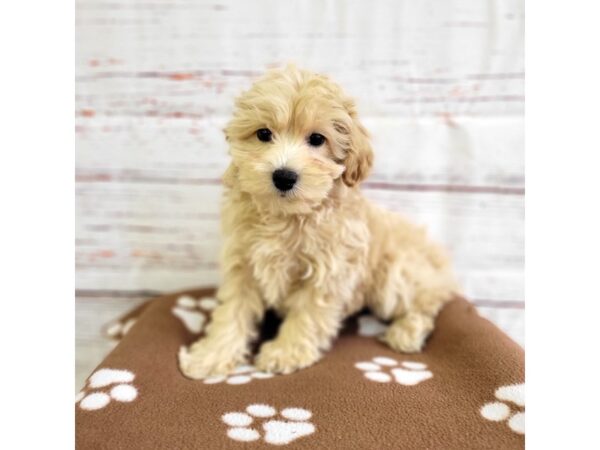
(276, 357)
(203, 360)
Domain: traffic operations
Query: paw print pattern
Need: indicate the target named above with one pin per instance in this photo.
(241, 375)
(500, 411)
(369, 326)
(192, 312)
(92, 397)
(294, 424)
(117, 330)
(384, 370)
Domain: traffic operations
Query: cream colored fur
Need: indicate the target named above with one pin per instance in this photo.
(319, 252)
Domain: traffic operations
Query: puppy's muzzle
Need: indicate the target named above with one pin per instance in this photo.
(284, 179)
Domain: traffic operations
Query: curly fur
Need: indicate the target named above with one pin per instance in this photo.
(319, 252)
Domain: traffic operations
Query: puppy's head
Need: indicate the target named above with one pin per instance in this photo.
(295, 137)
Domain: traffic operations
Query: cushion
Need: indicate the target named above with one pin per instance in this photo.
(465, 390)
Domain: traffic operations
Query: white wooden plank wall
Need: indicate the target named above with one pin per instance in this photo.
(439, 84)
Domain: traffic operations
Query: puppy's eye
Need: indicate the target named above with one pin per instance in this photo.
(264, 135)
(316, 139)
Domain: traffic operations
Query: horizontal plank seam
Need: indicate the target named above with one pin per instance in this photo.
(105, 177)
(196, 74)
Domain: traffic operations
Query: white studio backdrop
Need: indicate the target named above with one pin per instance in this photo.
(439, 84)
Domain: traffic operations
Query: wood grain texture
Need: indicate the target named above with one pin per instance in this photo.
(439, 84)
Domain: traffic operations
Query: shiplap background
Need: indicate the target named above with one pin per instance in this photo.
(439, 84)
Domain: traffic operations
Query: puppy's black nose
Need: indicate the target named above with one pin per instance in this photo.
(284, 179)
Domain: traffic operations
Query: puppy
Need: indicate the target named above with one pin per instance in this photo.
(300, 238)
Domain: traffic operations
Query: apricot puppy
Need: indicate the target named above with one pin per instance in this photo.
(300, 238)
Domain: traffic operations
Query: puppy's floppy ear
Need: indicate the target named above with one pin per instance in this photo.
(359, 154)
(230, 176)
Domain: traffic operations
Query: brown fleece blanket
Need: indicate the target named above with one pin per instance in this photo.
(465, 391)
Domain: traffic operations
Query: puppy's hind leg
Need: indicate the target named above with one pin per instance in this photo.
(407, 334)
(414, 319)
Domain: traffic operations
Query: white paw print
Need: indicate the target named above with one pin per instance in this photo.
(277, 432)
(124, 391)
(370, 326)
(500, 411)
(117, 330)
(241, 375)
(192, 312)
(410, 374)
